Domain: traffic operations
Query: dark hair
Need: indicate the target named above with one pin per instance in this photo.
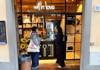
(58, 22)
(34, 28)
(59, 29)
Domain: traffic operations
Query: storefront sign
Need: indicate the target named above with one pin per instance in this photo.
(2, 32)
(40, 6)
(97, 8)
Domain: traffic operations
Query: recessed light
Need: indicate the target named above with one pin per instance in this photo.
(72, 0)
(66, 0)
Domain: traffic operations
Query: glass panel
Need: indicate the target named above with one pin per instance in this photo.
(78, 19)
(69, 55)
(77, 54)
(70, 38)
(78, 38)
(77, 46)
(79, 29)
(70, 8)
(70, 47)
(70, 29)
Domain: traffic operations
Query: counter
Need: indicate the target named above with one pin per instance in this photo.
(47, 50)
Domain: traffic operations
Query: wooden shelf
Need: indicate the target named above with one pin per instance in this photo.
(31, 28)
(32, 23)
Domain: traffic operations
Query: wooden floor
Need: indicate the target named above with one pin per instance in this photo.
(51, 65)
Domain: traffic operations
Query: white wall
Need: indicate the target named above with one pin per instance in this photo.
(4, 49)
(95, 25)
(95, 38)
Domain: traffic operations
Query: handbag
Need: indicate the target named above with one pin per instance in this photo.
(32, 47)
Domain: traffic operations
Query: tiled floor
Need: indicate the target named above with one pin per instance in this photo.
(51, 65)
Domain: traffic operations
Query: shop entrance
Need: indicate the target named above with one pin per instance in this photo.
(41, 13)
(44, 14)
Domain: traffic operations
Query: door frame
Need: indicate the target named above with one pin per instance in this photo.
(86, 28)
(84, 60)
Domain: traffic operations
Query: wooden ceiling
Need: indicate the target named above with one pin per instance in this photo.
(27, 5)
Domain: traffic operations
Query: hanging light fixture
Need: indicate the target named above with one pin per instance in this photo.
(72, 0)
(66, 0)
(77, 4)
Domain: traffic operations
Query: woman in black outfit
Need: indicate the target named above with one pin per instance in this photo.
(59, 46)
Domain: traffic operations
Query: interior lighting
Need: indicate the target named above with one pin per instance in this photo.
(66, 0)
(26, 19)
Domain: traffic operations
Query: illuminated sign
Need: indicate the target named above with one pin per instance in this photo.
(40, 6)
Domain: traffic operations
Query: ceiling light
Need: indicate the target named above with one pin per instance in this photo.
(66, 0)
(72, 0)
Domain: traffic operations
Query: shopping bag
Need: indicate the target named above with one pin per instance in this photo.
(32, 47)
